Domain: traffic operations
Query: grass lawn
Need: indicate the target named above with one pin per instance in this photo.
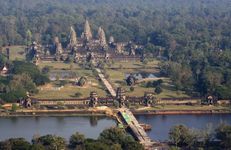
(52, 90)
(59, 65)
(117, 78)
(167, 93)
(68, 91)
(132, 64)
(16, 52)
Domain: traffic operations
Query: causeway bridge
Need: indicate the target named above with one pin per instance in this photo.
(136, 130)
(126, 117)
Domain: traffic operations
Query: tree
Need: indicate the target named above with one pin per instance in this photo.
(130, 80)
(78, 94)
(96, 145)
(3, 61)
(37, 147)
(14, 107)
(13, 96)
(52, 142)
(28, 37)
(223, 133)
(132, 88)
(20, 67)
(157, 83)
(180, 135)
(46, 69)
(118, 136)
(76, 140)
(18, 144)
(158, 90)
(23, 81)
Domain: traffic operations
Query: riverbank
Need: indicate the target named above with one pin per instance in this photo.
(179, 112)
(108, 112)
(68, 112)
(183, 109)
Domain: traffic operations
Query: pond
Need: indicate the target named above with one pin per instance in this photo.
(142, 75)
(61, 75)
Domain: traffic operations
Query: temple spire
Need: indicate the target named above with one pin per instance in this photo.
(102, 37)
(73, 37)
(87, 35)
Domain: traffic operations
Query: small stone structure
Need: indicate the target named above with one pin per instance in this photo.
(148, 99)
(93, 99)
(120, 97)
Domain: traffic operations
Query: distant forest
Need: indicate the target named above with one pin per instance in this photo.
(193, 35)
(189, 22)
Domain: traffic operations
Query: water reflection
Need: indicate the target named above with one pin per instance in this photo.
(93, 121)
(161, 124)
(27, 127)
(91, 127)
(14, 120)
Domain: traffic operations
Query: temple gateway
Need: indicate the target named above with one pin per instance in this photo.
(82, 48)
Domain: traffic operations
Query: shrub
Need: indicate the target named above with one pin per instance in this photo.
(132, 89)
(63, 82)
(14, 107)
(78, 94)
(158, 90)
(46, 69)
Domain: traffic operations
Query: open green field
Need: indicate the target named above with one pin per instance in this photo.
(135, 65)
(55, 91)
(59, 65)
(68, 91)
(117, 78)
(16, 52)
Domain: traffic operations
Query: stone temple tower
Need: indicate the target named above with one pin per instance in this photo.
(102, 37)
(87, 35)
(120, 96)
(73, 38)
(93, 99)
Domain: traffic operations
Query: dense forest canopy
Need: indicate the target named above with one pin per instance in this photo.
(193, 35)
(187, 21)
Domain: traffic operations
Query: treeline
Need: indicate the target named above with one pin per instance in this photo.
(190, 23)
(180, 137)
(109, 139)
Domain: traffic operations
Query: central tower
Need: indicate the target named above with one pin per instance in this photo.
(87, 35)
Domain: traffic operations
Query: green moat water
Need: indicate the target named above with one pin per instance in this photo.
(91, 127)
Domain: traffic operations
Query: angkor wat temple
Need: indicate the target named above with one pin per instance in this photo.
(85, 47)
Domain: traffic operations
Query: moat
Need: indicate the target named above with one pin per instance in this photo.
(91, 127)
